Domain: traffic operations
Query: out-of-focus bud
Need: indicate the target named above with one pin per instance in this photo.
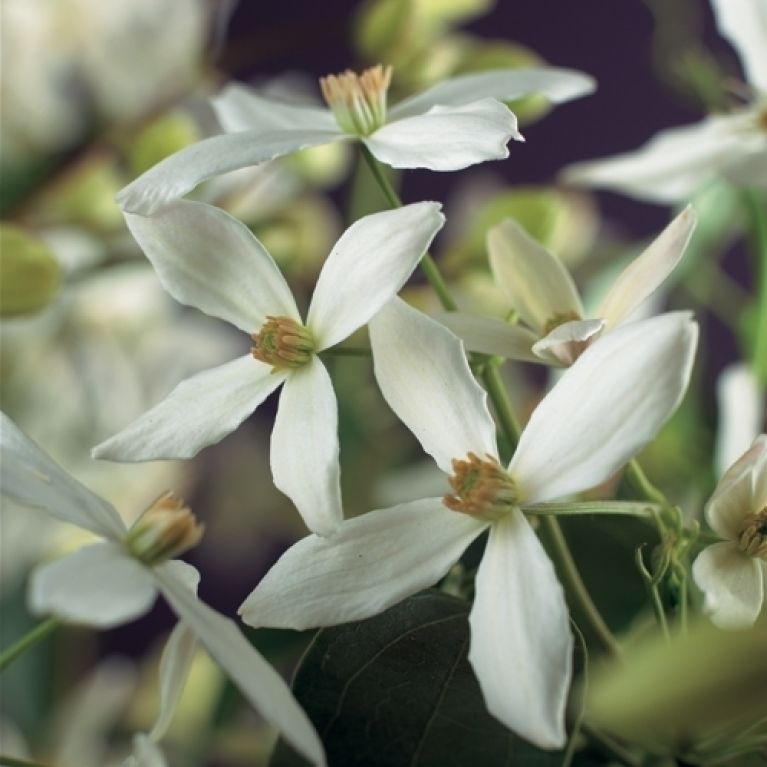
(700, 697)
(160, 139)
(29, 273)
(322, 166)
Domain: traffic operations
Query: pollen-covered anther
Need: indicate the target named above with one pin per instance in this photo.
(753, 536)
(481, 488)
(165, 530)
(283, 343)
(358, 101)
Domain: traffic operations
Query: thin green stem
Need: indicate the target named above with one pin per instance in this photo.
(37, 634)
(347, 351)
(428, 265)
(758, 218)
(639, 481)
(11, 761)
(651, 584)
(491, 378)
(584, 508)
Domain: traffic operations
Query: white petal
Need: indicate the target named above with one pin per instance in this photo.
(31, 477)
(369, 265)
(738, 493)
(606, 407)
(181, 172)
(557, 85)
(146, 753)
(639, 280)
(536, 282)
(447, 138)
(304, 452)
(263, 687)
(175, 663)
(371, 563)
(741, 414)
(207, 259)
(240, 108)
(521, 645)
(99, 585)
(199, 412)
(672, 165)
(423, 374)
(744, 24)
(566, 342)
(732, 583)
(489, 335)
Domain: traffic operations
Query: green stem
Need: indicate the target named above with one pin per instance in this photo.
(755, 208)
(639, 481)
(428, 265)
(347, 351)
(491, 378)
(11, 761)
(37, 634)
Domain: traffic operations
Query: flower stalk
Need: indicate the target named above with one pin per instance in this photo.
(37, 634)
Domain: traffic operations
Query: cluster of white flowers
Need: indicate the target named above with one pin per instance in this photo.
(617, 391)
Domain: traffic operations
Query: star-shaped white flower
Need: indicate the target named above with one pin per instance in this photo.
(207, 259)
(542, 292)
(674, 163)
(733, 574)
(603, 410)
(118, 579)
(457, 123)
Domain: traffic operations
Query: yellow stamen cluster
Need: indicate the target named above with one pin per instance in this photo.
(753, 536)
(358, 101)
(282, 343)
(560, 318)
(164, 531)
(481, 488)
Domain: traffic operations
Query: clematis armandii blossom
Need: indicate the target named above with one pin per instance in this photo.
(118, 579)
(675, 162)
(605, 407)
(732, 574)
(454, 124)
(542, 292)
(207, 259)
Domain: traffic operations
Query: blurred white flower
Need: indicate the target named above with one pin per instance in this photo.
(605, 407)
(457, 123)
(674, 163)
(732, 574)
(542, 292)
(118, 579)
(206, 258)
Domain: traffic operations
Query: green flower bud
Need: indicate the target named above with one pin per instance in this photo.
(159, 140)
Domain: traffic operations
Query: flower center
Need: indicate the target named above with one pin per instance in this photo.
(164, 531)
(753, 535)
(282, 343)
(481, 488)
(560, 318)
(358, 101)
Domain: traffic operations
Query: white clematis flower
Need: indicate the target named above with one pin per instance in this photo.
(543, 293)
(732, 574)
(206, 258)
(457, 123)
(118, 579)
(673, 164)
(605, 407)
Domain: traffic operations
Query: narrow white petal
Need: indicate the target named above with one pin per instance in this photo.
(536, 282)
(263, 687)
(744, 24)
(738, 493)
(31, 477)
(423, 374)
(557, 85)
(175, 663)
(447, 138)
(566, 342)
(672, 165)
(489, 335)
(606, 407)
(181, 172)
(240, 108)
(644, 274)
(304, 452)
(207, 259)
(99, 585)
(371, 563)
(369, 265)
(146, 753)
(732, 583)
(521, 645)
(199, 412)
